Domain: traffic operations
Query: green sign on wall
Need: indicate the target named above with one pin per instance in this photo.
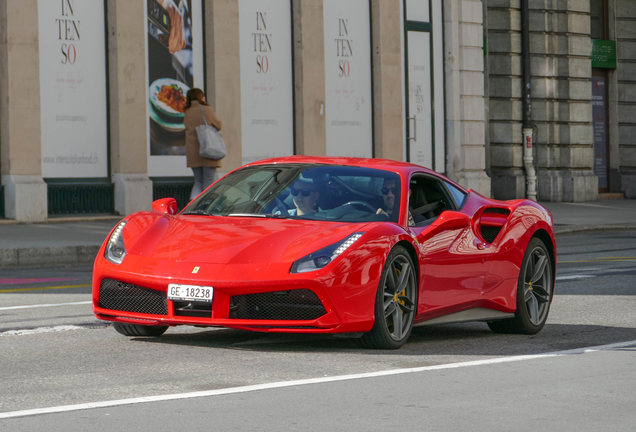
(603, 54)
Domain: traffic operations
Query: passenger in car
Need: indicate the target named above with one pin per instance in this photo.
(389, 191)
(388, 194)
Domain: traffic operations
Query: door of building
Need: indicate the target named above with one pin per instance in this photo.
(599, 114)
(603, 61)
(424, 70)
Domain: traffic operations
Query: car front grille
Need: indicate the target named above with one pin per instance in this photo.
(293, 305)
(192, 309)
(120, 296)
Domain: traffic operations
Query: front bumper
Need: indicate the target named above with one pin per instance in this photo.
(266, 308)
(332, 304)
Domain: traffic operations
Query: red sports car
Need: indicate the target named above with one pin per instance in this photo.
(368, 247)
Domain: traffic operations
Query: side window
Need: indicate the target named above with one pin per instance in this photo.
(458, 195)
(428, 200)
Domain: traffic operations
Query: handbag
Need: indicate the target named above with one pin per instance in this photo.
(211, 145)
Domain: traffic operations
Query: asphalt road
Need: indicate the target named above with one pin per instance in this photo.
(54, 353)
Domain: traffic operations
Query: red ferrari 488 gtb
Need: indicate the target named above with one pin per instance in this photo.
(368, 247)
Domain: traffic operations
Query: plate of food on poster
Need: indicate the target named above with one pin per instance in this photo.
(167, 103)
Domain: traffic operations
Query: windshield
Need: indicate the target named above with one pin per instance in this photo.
(304, 191)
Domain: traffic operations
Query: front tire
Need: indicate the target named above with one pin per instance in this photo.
(395, 303)
(534, 293)
(139, 330)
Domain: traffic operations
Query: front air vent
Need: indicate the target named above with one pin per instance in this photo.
(293, 305)
(120, 296)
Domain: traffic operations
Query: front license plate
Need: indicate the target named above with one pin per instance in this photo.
(190, 293)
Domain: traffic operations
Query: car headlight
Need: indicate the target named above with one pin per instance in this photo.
(324, 256)
(115, 249)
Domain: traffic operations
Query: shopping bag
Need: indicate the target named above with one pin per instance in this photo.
(211, 145)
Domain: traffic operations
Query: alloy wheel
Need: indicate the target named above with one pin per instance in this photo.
(537, 289)
(399, 297)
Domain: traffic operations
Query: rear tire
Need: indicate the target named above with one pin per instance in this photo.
(534, 293)
(395, 303)
(139, 330)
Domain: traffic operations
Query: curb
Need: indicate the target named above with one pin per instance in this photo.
(47, 256)
(85, 255)
(589, 228)
(64, 220)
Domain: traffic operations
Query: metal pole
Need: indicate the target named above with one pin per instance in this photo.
(531, 176)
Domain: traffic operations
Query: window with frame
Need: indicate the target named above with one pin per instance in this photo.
(458, 194)
(428, 199)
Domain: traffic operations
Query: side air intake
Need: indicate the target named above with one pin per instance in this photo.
(491, 222)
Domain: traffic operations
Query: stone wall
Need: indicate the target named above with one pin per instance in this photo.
(504, 91)
(464, 75)
(626, 54)
(128, 82)
(20, 148)
(560, 48)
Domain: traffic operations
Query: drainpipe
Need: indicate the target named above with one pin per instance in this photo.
(531, 176)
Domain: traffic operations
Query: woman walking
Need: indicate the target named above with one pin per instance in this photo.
(204, 169)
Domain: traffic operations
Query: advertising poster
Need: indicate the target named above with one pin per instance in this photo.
(175, 65)
(267, 110)
(73, 88)
(348, 110)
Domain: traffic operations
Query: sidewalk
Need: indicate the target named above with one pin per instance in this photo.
(593, 215)
(59, 242)
(71, 241)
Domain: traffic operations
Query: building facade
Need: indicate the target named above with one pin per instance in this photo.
(583, 78)
(88, 123)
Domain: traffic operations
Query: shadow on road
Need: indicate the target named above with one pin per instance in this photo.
(474, 339)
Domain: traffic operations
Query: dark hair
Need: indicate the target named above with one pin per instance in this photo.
(194, 94)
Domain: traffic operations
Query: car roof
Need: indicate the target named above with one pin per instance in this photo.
(386, 164)
(402, 168)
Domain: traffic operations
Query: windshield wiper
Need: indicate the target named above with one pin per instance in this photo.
(247, 215)
(204, 213)
(197, 212)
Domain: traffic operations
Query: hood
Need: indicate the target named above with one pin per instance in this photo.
(229, 240)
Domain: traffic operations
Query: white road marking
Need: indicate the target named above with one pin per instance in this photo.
(44, 305)
(41, 330)
(283, 384)
(574, 277)
(589, 269)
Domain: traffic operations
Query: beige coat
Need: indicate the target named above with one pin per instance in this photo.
(191, 120)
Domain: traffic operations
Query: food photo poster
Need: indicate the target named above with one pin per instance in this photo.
(175, 65)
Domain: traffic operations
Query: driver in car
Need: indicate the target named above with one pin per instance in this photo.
(305, 196)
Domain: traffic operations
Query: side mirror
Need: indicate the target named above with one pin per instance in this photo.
(452, 220)
(165, 205)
